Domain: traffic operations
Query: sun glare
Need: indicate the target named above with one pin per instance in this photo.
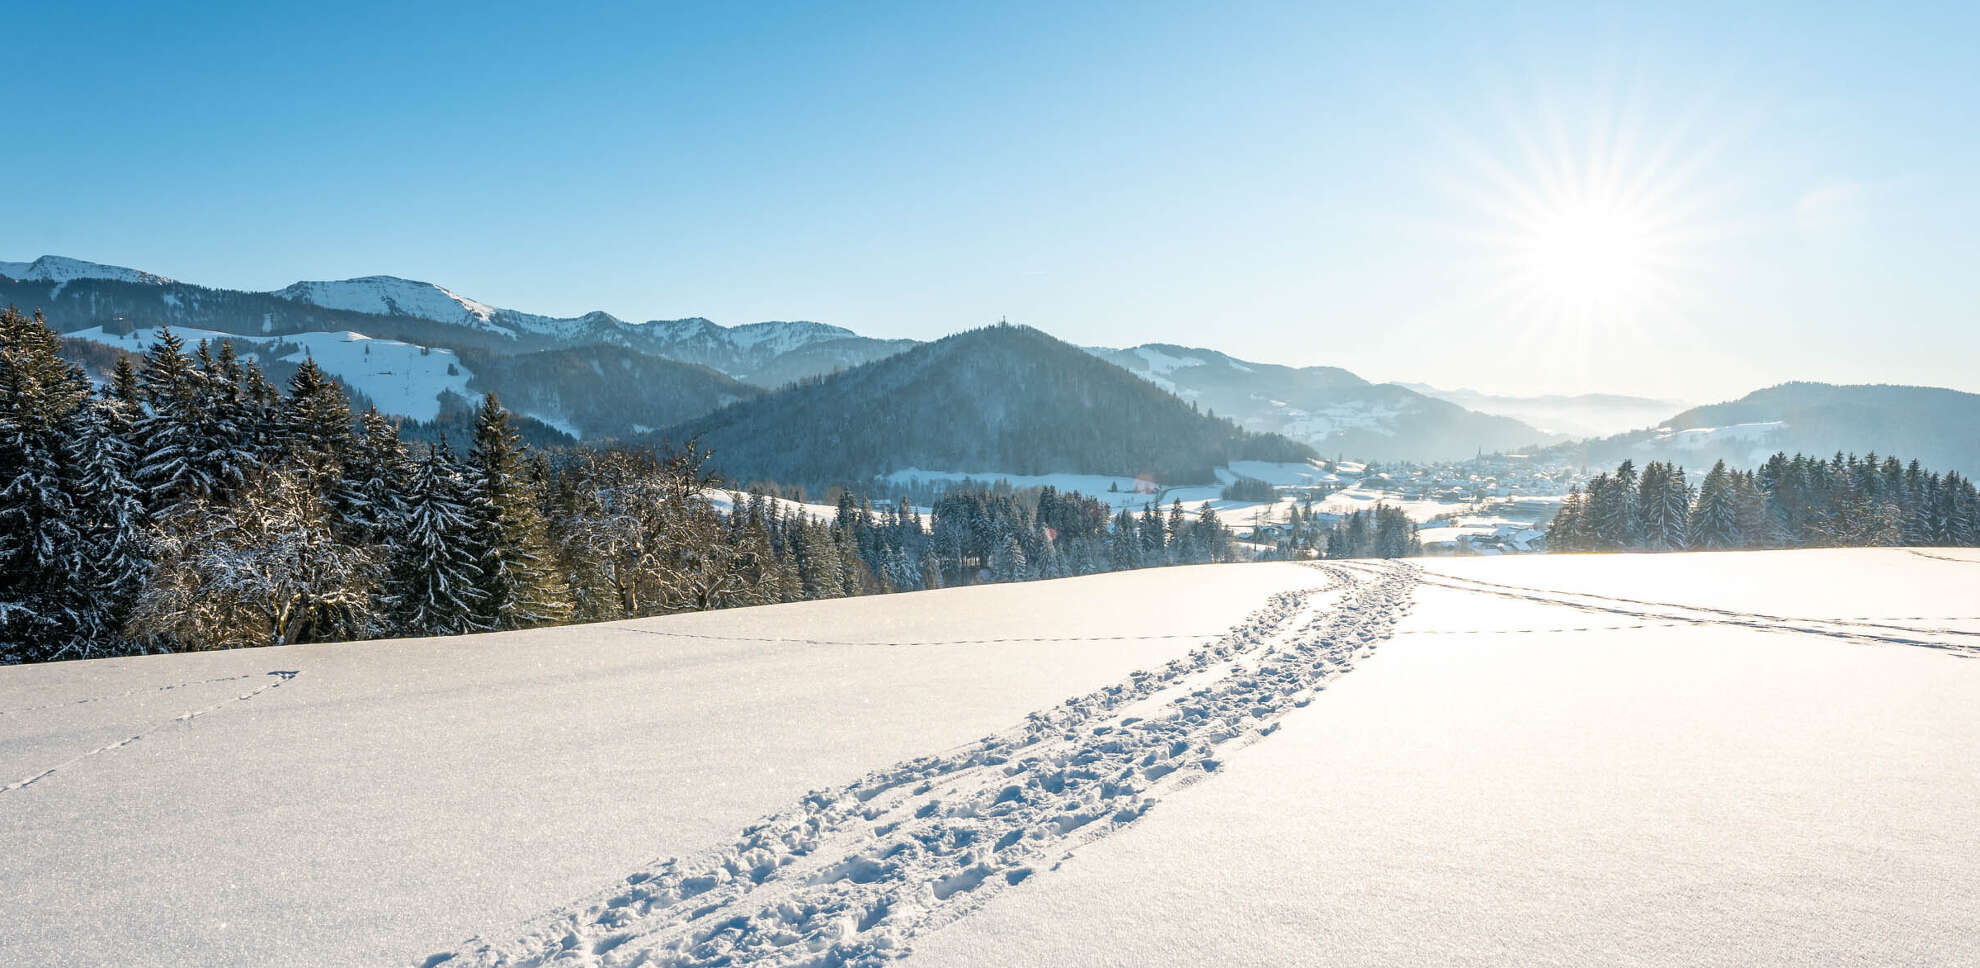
(1582, 235)
(1587, 255)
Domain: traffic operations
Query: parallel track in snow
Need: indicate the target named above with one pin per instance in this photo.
(851, 875)
(1852, 629)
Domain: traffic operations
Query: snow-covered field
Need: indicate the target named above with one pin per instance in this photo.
(401, 378)
(1751, 758)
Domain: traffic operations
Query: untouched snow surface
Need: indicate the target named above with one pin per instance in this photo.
(1752, 758)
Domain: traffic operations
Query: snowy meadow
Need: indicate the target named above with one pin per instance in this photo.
(1746, 756)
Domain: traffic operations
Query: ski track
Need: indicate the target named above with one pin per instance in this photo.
(277, 679)
(851, 875)
(1848, 629)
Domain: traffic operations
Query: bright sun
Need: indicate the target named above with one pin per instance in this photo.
(1588, 254)
(1581, 232)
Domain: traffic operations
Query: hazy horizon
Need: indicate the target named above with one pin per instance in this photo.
(1558, 200)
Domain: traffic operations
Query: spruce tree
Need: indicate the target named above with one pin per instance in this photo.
(43, 611)
(1715, 519)
(518, 584)
(316, 425)
(113, 558)
(371, 497)
(435, 588)
(169, 470)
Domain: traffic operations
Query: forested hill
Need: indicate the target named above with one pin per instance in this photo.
(604, 391)
(1936, 425)
(1006, 399)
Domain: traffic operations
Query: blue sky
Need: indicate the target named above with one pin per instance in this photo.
(1286, 182)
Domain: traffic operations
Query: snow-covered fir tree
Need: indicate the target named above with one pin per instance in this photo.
(517, 584)
(432, 555)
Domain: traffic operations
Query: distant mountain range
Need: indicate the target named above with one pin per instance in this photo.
(1338, 413)
(1939, 427)
(1564, 415)
(414, 348)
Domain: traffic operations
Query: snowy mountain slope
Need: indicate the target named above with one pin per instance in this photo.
(78, 295)
(61, 269)
(474, 783)
(1573, 415)
(767, 354)
(1933, 425)
(392, 296)
(400, 378)
(1328, 407)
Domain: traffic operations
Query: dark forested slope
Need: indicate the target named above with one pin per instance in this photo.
(1006, 399)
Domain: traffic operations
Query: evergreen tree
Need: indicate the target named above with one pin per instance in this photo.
(931, 570)
(113, 556)
(1715, 519)
(169, 470)
(316, 425)
(1008, 563)
(436, 572)
(371, 497)
(517, 585)
(44, 612)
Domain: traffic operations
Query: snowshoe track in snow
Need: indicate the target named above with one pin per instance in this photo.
(850, 876)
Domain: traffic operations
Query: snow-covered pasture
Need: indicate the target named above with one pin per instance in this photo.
(1738, 758)
(401, 378)
(394, 798)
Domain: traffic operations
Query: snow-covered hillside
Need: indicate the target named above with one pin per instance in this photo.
(768, 353)
(402, 379)
(1330, 408)
(1678, 759)
(392, 296)
(60, 269)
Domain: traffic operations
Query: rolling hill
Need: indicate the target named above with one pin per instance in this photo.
(1937, 426)
(1008, 398)
(1335, 411)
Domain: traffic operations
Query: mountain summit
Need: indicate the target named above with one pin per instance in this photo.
(61, 269)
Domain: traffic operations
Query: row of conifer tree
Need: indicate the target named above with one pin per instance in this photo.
(191, 504)
(1787, 502)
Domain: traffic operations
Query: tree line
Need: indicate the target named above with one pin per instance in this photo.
(1787, 502)
(190, 503)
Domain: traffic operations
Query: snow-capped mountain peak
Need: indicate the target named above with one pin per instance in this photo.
(393, 296)
(61, 269)
(784, 336)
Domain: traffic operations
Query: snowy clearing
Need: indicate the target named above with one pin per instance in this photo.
(401, 378)
(1737, 758)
